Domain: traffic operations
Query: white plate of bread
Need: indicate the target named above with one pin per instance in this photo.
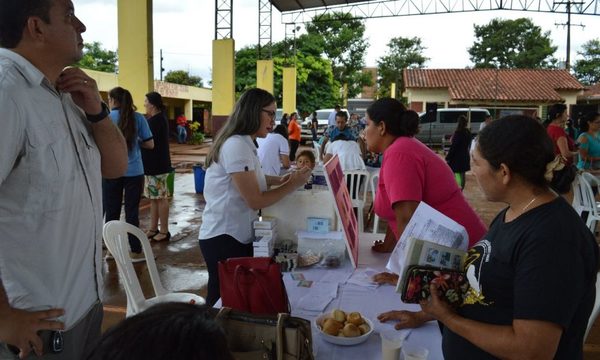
(344, 328)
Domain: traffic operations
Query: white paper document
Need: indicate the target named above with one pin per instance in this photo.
(427, 224)
(315, 302)
(364, 278)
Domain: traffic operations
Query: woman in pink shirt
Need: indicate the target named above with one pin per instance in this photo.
(411, 173)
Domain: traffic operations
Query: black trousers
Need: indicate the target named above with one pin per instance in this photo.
(219, 248)
(293, 147)
(112, 198)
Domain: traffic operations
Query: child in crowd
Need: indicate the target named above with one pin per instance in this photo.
(306, 158)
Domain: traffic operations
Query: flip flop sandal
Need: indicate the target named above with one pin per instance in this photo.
(166, 236)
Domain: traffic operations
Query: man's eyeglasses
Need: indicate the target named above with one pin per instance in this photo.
(270, 113)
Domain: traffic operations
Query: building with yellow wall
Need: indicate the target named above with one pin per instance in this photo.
(194, 102)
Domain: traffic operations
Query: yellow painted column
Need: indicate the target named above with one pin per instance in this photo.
(223, 77)
(189, 113)
(264, 75)
(136, 61)
(289, 90)
(393, 91)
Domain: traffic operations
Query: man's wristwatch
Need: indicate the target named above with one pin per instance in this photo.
(99, 117)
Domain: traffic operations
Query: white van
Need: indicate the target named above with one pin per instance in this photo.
(433, 131)
(322, 118)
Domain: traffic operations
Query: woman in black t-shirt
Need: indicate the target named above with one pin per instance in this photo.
(532, 277)
(157, 166)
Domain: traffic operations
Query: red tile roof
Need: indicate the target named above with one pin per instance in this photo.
(591, 93)
(504, 85)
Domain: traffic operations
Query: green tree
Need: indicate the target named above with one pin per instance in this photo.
(314, 78)
(341, 38)
(587, 70)
(97, 58)
(512, 44)
(402, 53)
(183, 77)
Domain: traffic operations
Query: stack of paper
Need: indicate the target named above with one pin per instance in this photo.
(426, 224)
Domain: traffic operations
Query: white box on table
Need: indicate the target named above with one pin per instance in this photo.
(272, 233)
(266, 223)
(265, 242)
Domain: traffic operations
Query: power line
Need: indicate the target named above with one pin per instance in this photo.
(568, 24)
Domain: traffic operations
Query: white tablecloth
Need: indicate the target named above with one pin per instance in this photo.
(368, 301)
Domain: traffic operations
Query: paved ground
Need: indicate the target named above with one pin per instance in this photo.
(180, 262)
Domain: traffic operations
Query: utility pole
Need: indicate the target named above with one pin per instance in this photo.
(162, 69)
(568, 25)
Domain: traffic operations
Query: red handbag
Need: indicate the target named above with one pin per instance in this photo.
(254, 285)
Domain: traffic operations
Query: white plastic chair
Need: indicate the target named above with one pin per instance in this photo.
(374, 181)
(358, 193)
(317, 150)
(593, 181)
(595, 310)
(116, 239)
(584, 202)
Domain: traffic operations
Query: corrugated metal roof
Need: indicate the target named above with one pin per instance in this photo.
(295, 5)
(509, 85)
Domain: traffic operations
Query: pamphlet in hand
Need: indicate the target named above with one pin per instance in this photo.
(430, 225)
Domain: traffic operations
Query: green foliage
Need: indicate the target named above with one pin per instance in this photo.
(341, 39)
(512, 44)
(587, 70)
(183, 77)
(315, 86)
(197, 136)
(402, 53)
(97, 58)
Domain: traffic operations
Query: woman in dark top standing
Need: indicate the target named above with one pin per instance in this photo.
(157, 166)
(314, 125)
(458, 154)
(532, 276)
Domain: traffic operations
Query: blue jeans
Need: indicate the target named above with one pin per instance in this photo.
(181, 134)
(112, 199)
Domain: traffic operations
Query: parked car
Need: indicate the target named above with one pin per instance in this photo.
(435, 130)
(322, 118)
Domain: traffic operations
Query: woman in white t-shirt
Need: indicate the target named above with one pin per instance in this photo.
(347, 151)
(235, 187)
(274, 151)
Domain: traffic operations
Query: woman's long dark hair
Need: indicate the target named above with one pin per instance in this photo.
(584, 125)
(244, 120)
(523, 144)
(554, 111)
(127, 124)
(155, 99)
(398, 121)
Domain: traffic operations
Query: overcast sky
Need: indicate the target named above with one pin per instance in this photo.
(184, 30)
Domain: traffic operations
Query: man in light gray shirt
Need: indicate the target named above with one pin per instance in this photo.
(332, 115)
(56, 143)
